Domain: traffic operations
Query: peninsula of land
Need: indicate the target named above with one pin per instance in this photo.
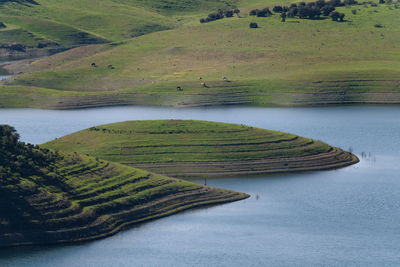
(187, 148)
(49, 197)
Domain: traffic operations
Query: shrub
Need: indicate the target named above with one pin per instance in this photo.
(378, 25)
(253, 25)
(354, 11)
(2, 25)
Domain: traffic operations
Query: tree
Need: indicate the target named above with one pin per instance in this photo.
(253, 12)
(277, 9)
(229, 13)
(283, 16)
(264, 13)
(253, 25)
(341, 16)
(326, 10)
(320, 3)
(334, 15)
(293, 11)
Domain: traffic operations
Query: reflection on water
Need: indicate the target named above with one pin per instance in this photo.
(345, 217)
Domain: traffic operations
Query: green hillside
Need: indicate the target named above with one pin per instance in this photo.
(48, 26)
(54, 197)
(199, 148)
(297, 62)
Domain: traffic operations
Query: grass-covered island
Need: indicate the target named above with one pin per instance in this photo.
(199, 148)
(55, 197)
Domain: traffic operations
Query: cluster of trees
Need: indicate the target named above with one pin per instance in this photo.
(20, 159)
(310, 10)
(220, 14)
(261, 13)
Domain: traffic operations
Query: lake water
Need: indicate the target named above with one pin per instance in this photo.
(346, 217)
(3, 77)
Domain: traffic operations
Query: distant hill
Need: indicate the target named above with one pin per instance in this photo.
(54, 197)
(298, 62)
(44, 27)
(185, 148)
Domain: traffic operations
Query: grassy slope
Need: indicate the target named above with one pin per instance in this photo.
(199, 148)
(299, 62)
(76, 198)
(62, 21)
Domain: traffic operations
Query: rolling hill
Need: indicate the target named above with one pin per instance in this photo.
(297, 62)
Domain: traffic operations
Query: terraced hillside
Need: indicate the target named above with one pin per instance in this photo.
(297, 62)
(50, 197)
(199, 148)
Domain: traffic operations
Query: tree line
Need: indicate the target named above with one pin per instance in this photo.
(220, 14)
(310, 10)
(18, 159)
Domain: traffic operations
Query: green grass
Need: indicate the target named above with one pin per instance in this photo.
(48, 197)
(198, 148)
(299, 62)
(63, 21)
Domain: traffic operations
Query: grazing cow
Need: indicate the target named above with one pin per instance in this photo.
(203, 84)
(179, 88)
(94, 64)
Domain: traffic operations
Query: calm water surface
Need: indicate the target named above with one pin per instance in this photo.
(3, 77)
(346, 217)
